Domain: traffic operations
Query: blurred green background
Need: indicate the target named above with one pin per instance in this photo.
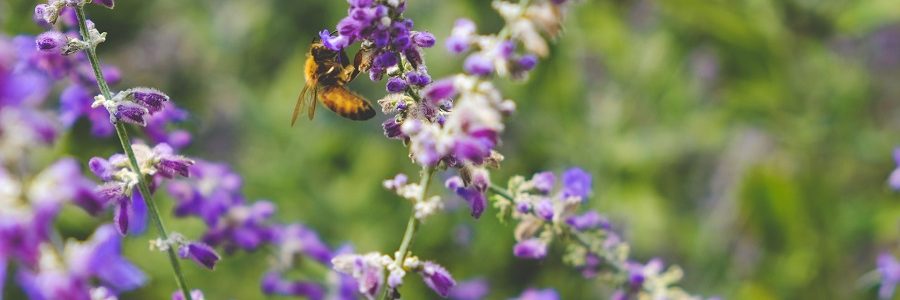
(747, 141)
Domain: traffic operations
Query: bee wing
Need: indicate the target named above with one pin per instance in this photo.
(305, 99)
(346, 104)
(312, 106)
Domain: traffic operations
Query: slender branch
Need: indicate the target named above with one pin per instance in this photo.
(412, 225)
(577, 236)
(122, 133)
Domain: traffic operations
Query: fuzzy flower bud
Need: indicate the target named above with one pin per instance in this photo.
(200, 253)
(396, 85)
(150, 98)
(51, 42)
(437, 278)
(423, 39)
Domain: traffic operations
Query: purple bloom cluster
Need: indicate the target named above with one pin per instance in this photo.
(70, 275)
(119, 188)
(387, 37)
(547, 209)
(496, 54)
(213, 194)
(30, 203)
(369, 271)
(47, 58)
(537, 203)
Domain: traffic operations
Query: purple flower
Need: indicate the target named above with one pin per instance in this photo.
(544, 209)
(39, 11)
(587, 221)
(158, 123)
(423, 39)
(474, 289)
(108, 264)
(195, 295)
(367, 269)
(478, 64)
(243, 227)
(130, 112)
(526, 62)
(75, 102)
(297, 239)
(273, 284)
(890, 275)
(210, 192)
(474, 197)
(396, 85)
(894, 179)
(476, 145)
(334, 43)
(385, 60)
(461, 36)
(392, 129)
(530, 249)
(576, 183)
(419, 79)
(544, 182)
(440, 90)
(20, 237)
(523, 207)
(200, 253)
(99, 258)
(121, 215)
(151, 99)
(3, 263)
(536, 294)
(171, 165)
(437, 278)
(51, 42)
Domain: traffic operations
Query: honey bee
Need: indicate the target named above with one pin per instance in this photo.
(327, 74)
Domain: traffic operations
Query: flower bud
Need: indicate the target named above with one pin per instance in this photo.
(130, 112)
(199, 253)
(396, 85)
(437, 278)
(423, 39)
(149, 98)
(478, 64)
(51, 42)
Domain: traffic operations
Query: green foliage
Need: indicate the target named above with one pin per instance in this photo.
(746, 141)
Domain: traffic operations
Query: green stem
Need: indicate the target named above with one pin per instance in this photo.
(122, 133)
(412, 225)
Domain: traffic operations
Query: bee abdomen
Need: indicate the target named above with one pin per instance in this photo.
(346, 103)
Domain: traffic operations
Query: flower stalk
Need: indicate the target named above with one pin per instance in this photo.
(122, 133)
(413, 224)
